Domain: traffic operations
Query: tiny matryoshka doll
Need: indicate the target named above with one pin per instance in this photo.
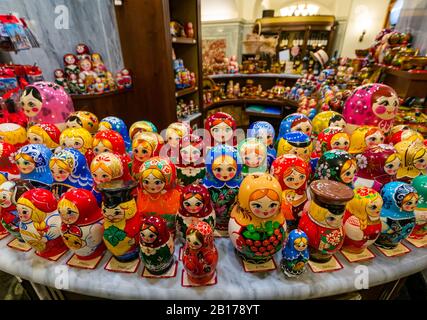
(83, 51)
(82, 223)
(200, 255)
(118, 125)
(292, 172)
(295, 254)
(420, 229)
(156, 245)
(221, 127)
(337, 165)
(46, 102)
(44, 133)
(264, 132)
(8, 168)
(296, 122)
(145, 145)
(13, 134)
(257, 227)
(224, 166)
(372, 104)
(397, 214)
(141, 126)
(69, 170)
(322, 218)
(365, 137)
(377, 166)
(253, 153)
(191, 162)
(332, 138)
(174, 133)
(122, 220)
(79, 139)
(109, 141)
(414, 160)
(70, 65)
(33, 163)
(295, 143)
(158, 194)
(87, 74)
(362, 224)
(327, 119)
(195, 206)
(83, 119)
(40, 223)
(109, 166)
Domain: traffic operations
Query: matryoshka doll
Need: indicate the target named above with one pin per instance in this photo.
(33, 163)
(156, 245)
(82, 223)
(13, 134)
(264, 132)
(420, 229)
(404, 135)
(253, 153)
(327, 119)
(257, 227)
(295, 254)
(46, 102)
(122, 220)
(414, 160)
(397, 214)
(44, 133)
(158, 194)
(191, 162)
(174, 133)
(224, 166)
(108, 166)
(79, 139)
(86, 72)
(362, 224)
(40, 223)
(322, 218)
(109, 141)
(377, 166)
(221, 127)
(69, 170)
(141, 126)
(83, 51)
(372, 104)
(295, 143)
(200, 256)
(337, 165)
(195, 206)
(295, 122)
(332, 138)
(365, 137)
(98, 64)
(8, 168)
(118, 125)
(292, 172)
(145, 145)
(83, 119)
(70, 65)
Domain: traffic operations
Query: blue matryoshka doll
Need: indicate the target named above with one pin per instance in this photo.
(397, 214)
(224, 167)
(295, 122)
(296, 143)
(69, 169)
(295, 254)
(265, 132)
(118, 125)
(33, 163)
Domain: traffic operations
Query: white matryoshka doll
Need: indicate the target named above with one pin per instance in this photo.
(191, 161)
(253, 153)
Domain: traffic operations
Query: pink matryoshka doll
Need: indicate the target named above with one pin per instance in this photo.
(221, 127)
(44, 133)
(372, 105)
(46, 102)
(109, 141)
(365, 137)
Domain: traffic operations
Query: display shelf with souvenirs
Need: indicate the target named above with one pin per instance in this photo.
(15, 34)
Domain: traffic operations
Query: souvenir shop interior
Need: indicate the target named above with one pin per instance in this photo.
(227, 149)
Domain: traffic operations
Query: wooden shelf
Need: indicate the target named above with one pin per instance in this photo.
(184, 92)
(182, 40)
(98, 96)
(191, 117)
(287, 104)
(255, 75)
(264, 114)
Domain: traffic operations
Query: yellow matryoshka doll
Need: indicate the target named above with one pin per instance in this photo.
(79, 139)
(83, 119)
(365, 137)
(414, 160)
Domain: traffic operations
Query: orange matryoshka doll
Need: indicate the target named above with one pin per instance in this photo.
(365, 137)
(145, 145)
(44, 133)
(79, 139)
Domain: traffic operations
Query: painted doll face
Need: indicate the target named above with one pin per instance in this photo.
(59, 174)
(30, 105)
(265, 137)
(295, 179)
(374, 139)
(5, 199)
(190, 154)
(251, 158)
(73, 124)
(100, 176)
(142, 153)
(193, 241)
(68, 215)
(332, 220)
(173, 138)
(264, 207)
(338, 123)
(148, 236)
(222, 132)
(73, 142)
(24, 212)
(300, 152)
(340, 141)
(304, 127)
(373, 209)
(386, 107)
(348, 175)
(100, 148)
(224, 172)
(25, 166)
(300, 244)
(411, 203)
(34, 138)
(70, 59)
(113, 215)
(391, 167)
(73, 242)
(59, 74)
(152, 184)
(193, 205)
(85, 65)
(421, 162)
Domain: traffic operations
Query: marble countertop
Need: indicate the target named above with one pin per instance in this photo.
(233, 282)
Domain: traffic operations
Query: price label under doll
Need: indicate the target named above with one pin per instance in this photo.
(4, 235)
(19, 245)
(185, 282)
(114, 265)
(330, 266)
(358, 257)
(171, 273)
(419, 243)
(269, 265)
(91, 264)
(398, 251)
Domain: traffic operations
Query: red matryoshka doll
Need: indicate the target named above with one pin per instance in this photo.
(195, 206)
(292, 172)
(420, 229)
(83, 51)
(109, 141)
(404, 135)
(221, 127)
(82, 223)
(327, 119)
(79, 139)
(83, 119)
(40, 225)
(362, 224)
(191, 162)
(145, 145)
(372, 104)
(108, 166)
(8, 168)
(365, 137)
(336, 165)
(141, 126)
(44, 133)
(174, 133)
(332, 138)
(70, 65)
(13, 134)
(158, 194)
(200, 255)
(257, 227)
(377, 166)
(414, 160)
(322, 218)
(156, 245)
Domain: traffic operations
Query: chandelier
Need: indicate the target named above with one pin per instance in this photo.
(300, 10)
